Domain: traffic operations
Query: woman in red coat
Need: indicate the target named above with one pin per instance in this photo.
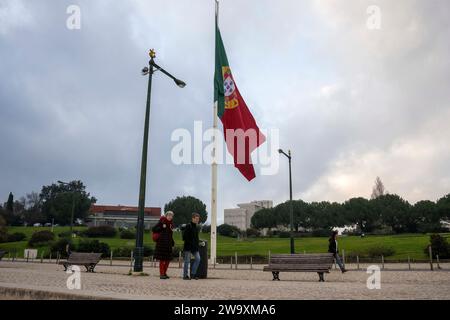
(165, 243)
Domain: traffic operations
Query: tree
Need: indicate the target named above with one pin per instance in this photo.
(264, 218)
(427, 215)
(227, 230)
(11, 208)
(394, 212)
(57, 202)
(183, 207)
(378, 190)
(359, 211)
(443, 207)
(10, 203)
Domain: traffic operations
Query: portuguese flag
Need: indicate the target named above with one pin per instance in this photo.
(241, 132)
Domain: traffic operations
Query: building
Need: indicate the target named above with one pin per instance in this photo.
(121, 216)
(241, 217)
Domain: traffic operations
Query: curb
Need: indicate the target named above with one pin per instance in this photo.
(14, 293)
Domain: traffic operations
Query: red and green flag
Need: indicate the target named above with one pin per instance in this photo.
(241, 132)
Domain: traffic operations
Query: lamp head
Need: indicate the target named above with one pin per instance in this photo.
(280, 151)
(180, 83)
(145, 71)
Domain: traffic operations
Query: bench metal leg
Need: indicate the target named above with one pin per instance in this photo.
(276, 276)
(321, 278)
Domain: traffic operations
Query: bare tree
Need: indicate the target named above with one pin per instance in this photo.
(378, 190)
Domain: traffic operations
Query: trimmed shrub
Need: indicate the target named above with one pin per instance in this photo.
(16, 237)
(3, 237)
(94, 246)
(100, 232)
(61, 247)
(127, 234)
(252, 233)
(41, 238)
(125, 252)
(380, 250)
(439, 246)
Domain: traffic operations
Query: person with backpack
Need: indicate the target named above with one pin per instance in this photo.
(191, 247)
(333, 248)
(163, 236)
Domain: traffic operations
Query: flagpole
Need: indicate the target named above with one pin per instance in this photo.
(213, 254)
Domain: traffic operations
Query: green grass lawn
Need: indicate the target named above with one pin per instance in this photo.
(405, 245)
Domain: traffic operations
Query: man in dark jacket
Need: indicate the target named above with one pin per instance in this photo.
(191, 243)
(333, 248)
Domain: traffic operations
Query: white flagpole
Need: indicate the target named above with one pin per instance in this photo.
(214, 194)
(214, 179)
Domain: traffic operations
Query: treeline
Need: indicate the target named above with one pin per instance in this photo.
(53, 204)
(388, 213)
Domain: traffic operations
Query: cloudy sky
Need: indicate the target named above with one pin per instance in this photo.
(351, 102)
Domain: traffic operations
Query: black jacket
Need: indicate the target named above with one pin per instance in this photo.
(190, 237)
(332, 247)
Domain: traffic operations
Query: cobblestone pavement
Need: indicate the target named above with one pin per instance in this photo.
(225, 283)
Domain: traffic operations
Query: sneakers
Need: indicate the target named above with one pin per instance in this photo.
(164, 277)
(167, 277)
(344, 270)
(186, 278)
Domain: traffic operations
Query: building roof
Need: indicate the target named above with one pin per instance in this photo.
(149, 211)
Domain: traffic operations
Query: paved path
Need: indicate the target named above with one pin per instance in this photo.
(113, 282)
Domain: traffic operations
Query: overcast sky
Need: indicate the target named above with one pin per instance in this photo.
(352, 103)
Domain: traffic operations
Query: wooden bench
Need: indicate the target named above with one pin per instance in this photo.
(320, 263)
(88, 260)
(2, 254)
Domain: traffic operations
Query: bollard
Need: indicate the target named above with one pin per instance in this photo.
(214, 263)
(235, 261)
(57, 257)
(9, 256)
(437, 261)
(131, 260)
(231, 262)
(110, 258)
(42, 257)
(179, 259)
(357, 262)
(251, 263)
(28, 255)
(431, 257)
(409, 263)
(269, 256)
(50, 257)
(382, 262)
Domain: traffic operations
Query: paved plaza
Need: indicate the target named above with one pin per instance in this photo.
(49, 281)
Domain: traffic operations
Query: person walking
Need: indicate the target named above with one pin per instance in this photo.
(164, 243)
(333, 248)
(191, 247)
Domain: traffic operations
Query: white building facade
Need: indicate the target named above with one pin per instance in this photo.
(241, 217)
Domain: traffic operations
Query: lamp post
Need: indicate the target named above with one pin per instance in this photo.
(73, 208)
(139, 250)
(291, 209)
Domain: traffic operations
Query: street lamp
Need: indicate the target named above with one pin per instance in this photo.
(73, 207)
(139, 250)
(291, 209)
